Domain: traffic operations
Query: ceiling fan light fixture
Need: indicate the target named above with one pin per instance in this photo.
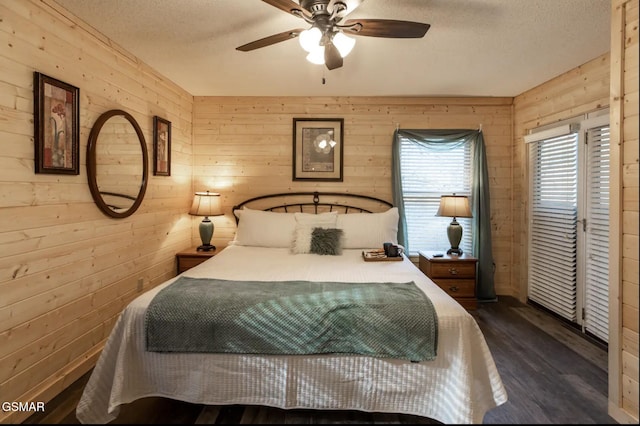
(343, 43)
(325, 39)
(316, 56)
(310, 39)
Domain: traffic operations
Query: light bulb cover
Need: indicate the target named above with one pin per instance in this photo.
(343, 43)
(316, 56)
(310, 39)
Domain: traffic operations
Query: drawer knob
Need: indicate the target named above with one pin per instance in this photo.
(453, 271)
(453, 289)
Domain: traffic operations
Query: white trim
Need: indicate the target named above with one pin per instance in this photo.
(591, 123)
(547, 134)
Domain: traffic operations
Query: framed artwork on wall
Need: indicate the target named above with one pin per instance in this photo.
(161, 147)
(318, 149)
(56, 123)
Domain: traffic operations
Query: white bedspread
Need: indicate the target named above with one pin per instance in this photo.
(460, 386)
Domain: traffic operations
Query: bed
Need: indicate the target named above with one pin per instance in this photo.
(277, 244)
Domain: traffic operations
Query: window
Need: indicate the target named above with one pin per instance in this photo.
(427, 173)
(569, 222)
(429, 163)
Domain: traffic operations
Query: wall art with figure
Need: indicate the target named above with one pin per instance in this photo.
(161, 147)
(56, 126)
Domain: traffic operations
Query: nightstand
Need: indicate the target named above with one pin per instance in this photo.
(454, 274)
(187, 259)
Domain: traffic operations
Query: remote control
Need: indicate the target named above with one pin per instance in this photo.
(438, 255)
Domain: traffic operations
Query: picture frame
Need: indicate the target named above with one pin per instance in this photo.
(161, 147)
(56, 126)
(318, 149)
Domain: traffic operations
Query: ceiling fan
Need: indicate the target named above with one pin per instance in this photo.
(326, 39)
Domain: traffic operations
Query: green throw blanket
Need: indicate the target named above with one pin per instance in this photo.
(389, 320)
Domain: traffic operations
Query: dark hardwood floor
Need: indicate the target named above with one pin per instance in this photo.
(552, 375)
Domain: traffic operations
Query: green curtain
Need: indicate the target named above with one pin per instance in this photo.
(480, 199)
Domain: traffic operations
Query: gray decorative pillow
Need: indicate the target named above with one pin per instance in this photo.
(326, 241)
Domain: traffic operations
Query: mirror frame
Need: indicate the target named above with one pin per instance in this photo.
(92, 164)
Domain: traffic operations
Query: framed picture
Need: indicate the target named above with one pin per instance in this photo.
(318, 149)
(56, 123)
(161, 147)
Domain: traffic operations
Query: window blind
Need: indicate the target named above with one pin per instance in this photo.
(428, 173)
(597, 233)
(554, 215)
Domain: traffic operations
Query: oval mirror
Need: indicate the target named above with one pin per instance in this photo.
(117, 163)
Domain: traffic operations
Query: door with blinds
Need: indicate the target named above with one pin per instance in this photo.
(569, 223)
(596, 229)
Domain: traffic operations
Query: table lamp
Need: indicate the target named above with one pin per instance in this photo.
(206, 204)
(454, 206)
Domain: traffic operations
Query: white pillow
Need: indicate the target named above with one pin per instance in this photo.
(369, 230)
(321, 220)
(265, 229)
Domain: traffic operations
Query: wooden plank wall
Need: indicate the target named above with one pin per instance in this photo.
(624, 241)
(243, 147)
(630, 210)
(66, 269)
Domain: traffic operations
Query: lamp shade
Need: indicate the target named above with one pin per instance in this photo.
(454, 206)
(206, 204)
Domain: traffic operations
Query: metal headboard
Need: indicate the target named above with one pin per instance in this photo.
(300, 202)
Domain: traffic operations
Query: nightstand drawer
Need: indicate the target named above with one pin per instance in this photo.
(457, 287)
(192, 257)
(453, 269)
(185, 263)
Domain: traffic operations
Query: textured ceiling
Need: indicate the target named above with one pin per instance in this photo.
(473, 48)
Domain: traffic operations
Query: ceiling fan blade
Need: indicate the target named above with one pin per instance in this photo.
(351, 6)
(288, 6)
(268, 41)
(332, 58)
(385, 28)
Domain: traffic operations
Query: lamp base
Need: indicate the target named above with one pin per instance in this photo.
(206, 232)
(454, 232)
(455, 251)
